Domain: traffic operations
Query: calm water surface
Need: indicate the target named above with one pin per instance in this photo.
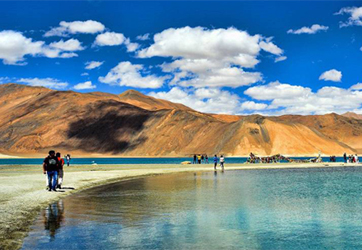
(249, 209)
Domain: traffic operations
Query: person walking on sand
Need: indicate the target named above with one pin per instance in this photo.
(194, 162)
(60, 171)
(50, 167)
(215, 161)
(222, 161)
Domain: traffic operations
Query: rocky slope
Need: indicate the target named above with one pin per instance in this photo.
(34, 120)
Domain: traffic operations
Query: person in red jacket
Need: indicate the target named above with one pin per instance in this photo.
(60, 170)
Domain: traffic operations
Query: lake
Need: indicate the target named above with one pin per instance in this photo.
(133, 160)
(249, 209)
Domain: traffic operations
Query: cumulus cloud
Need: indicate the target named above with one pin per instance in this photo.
(355, 16)
(143, 37)
(115, 39)
(85, 85)
(315, 28)
(331, 75)
(93, 65)
(44, 82)
(85, 27)
(69, 45)
(357, 86)
(132, 75)
(110, 39)
(250, 105)
(213, 58)
(14, 47)
(292, 99)
(208, 100)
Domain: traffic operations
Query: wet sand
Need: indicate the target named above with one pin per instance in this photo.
(23, 194)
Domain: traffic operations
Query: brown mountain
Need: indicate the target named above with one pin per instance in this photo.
(35, 119)
(135, 98)
(353, 115)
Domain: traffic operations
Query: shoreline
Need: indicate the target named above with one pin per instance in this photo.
(23, 194)
(95, 156)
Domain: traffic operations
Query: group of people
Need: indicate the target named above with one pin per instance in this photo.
(53, 168)
(200, 159)
(350, 158)
(204, 159)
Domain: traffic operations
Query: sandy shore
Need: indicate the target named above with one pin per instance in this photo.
(23, 194)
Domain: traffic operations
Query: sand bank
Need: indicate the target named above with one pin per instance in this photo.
(2, 156)
(23, 194)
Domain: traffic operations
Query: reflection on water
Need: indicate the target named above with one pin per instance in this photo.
(254, 209)
(53, 217)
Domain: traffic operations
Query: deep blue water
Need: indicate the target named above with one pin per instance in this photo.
(84, 161)
(250, 209)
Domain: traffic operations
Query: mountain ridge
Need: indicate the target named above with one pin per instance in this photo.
(34, 120)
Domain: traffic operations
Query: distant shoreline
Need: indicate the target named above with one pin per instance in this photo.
(23, 192)
(4, 156)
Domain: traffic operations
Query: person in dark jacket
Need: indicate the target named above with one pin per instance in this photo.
(50, 167)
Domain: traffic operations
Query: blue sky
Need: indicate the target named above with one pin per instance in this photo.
(237, 57)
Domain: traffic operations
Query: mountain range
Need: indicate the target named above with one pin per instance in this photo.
(34, 120)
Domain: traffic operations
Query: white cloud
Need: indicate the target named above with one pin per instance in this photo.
(214, 58)
(357, 86)
(292, 99)
(14, 47)
(131, 47)
(143, 37)
(275, 90)
(208, 100)
(308, 30)
(69, 45)
(280, 58)
(66, 28)
(44, 82)
(331, 75)
(110, 39)
(271, 48)
(85, 85)
(85, 74)
(115, 39)
(93, 65)
(131, 75)
(250, 105)
(355, 16)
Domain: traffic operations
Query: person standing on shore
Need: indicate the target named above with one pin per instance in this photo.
(50, 167)
(215, 161)
(202, 159)
(345, 157)
(222, 161)
(206, 159)
(68, 159)
(199, 159)
(194, 162)
(60, 170)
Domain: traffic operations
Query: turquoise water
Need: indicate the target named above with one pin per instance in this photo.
(249, 209)
(171, 160)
